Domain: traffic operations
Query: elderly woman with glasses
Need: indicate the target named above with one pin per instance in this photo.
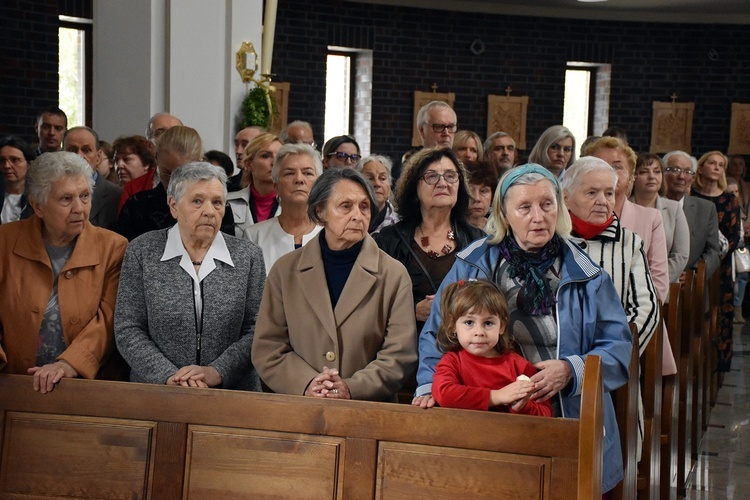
(555, 150)
(433, 202)
(189, 295)
(563, 307)
(341, 152)
(15, 157)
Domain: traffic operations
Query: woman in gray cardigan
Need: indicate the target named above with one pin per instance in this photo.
(189, 295)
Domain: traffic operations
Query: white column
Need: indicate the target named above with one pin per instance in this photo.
(171, 55)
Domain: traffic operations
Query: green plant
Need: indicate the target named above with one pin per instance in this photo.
(255, 108)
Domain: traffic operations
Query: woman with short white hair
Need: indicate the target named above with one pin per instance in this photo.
(189, 294)
(58, 278)
(294, 172)
(377, 169)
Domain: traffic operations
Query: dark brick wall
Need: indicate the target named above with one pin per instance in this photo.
(29, 47)
(29, 60)
(414, 48)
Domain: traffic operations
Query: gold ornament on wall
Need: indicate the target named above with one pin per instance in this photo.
(246, 62)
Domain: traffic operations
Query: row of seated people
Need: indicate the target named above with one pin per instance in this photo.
(535, 268)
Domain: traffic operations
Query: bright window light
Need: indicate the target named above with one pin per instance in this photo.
(72, 86)
(338, 83)
(577, 98)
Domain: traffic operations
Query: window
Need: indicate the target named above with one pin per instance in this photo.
(75, 70)
(338, 95)
(586, 110)
(578, 93)
(349, 95)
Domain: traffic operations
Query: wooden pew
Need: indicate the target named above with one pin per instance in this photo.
(649, 466)
(712, 381)
(626, 411)
(685, 374)
(672, 313)
(700, 353)
(96, 439)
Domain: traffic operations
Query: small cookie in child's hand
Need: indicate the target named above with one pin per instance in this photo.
(523, 377)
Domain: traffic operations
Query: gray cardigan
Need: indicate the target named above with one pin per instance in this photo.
(155, 322)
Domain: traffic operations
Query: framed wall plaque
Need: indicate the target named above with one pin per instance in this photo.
(508, 114)
(672, 127)
(739, 133)
(281, 107)
(422, 98)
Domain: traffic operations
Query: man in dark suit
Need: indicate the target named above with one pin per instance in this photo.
(85, 142)
(701, 215)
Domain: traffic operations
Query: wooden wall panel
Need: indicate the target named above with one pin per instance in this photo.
(414, 471)
(48, 456)
(237, 463)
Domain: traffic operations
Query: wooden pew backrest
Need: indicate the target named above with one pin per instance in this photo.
(96, 439)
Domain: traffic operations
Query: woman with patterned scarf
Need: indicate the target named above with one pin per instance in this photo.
(563, 307)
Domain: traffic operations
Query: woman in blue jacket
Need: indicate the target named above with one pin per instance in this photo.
(562, 306)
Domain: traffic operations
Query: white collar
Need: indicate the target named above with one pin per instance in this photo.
(175, 248)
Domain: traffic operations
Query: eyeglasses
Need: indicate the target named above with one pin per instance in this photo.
(557, 147)
(14, 160)
(440, 127)
(431, 177)
(341, 156)
(677, 171)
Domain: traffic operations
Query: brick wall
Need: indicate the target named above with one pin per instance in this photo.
(414, 48)
(28, 58)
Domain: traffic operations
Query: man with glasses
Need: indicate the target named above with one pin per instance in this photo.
(437, 124)
(679, 174)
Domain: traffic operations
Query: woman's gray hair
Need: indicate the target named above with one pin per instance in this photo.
(50, 168)
(295, 149)
(387, 163)
(497, 225)
(323, 187)
(693, 161)
(575, 173)
(548, 138)
(190, 173)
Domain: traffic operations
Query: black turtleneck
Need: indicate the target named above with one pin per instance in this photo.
(338, 265)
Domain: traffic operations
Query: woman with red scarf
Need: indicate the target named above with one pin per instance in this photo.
(589, 192)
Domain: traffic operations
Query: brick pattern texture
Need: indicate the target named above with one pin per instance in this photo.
(414, 48)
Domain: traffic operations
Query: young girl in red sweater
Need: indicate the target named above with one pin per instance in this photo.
(480, 370)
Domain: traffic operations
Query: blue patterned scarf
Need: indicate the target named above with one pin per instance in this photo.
(536, 297)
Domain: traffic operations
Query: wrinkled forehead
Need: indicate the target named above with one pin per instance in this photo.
(442, 114)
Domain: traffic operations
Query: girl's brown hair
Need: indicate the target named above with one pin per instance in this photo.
(464, 296)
